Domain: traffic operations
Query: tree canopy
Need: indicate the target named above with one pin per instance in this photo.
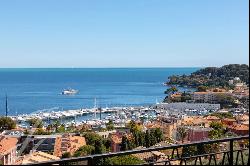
(35, 122)
(182, 133)
(110, 125)
(84, 151)
(212, 76)
(6, 123)
(123, 160)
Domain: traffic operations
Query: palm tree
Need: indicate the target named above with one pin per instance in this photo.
(56, 125)
(182, 132)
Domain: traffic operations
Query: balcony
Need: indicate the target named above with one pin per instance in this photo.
(227, 151)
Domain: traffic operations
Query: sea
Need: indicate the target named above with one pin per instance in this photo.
(39, 89)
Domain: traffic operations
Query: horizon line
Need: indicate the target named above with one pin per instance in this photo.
(122, 67)
(98, 67)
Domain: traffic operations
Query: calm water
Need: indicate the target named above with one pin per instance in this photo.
(30, 90)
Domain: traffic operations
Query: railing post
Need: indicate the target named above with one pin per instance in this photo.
(91, 161)
(231, 159)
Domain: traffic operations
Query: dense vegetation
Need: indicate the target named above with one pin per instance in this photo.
(123, 160)
(98, 145)
(6, 123)
(212, 76)
(140, 138)
(221, 115)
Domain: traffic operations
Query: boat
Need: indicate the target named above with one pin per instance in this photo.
(69, 92)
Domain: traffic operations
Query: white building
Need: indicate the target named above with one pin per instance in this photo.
(182, 106)
(105, 134)
(208, 97)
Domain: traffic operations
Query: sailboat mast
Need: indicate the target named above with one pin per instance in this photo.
(6, 106)
(95, 108)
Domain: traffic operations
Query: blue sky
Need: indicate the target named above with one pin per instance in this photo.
(123, 33)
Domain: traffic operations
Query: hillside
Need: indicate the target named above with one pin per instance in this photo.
(212, 76)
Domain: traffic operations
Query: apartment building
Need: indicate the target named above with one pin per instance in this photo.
(208, 97)
(68, 143)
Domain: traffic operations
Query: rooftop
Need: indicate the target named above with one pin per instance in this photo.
(37, 157)
(7, 144)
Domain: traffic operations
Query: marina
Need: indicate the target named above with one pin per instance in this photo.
(100, 116)
(93, 116)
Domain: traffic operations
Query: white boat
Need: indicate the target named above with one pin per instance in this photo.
(69, 92)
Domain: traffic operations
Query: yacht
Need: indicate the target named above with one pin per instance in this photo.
(69, 92)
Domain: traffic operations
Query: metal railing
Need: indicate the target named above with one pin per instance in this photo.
(233, 154)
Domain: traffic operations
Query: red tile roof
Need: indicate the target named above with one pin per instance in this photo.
(7, 144)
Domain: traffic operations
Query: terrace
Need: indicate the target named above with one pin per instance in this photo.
(227, 151)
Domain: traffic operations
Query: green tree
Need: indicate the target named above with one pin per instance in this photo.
(131, 143)
(56, 125)
(110, 125)
(35, 122)
(40, 131)
(91, 137)
(124, 144)
(202, 88)
(123, 160)
(188, 151)
(182, 133)
(218, 130)
(26, 132)
(132, 126)
(158, 135)
(99, 147)
(185, 96)
(6, 123)
(107, 144)
(136, 138)
(222, 115)
(147, 139)
(141, 139)
(66, 155)
(84, 151)
(153, 140)
(171, 90)
(216, 125)
(226, 101)
(201, 149)
(61, 129)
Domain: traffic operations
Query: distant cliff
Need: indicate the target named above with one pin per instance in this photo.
(212, 76)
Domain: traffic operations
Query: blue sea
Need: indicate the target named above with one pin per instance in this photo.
(31, 90)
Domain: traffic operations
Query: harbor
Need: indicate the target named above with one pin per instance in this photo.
(93, 116)
(118, 115)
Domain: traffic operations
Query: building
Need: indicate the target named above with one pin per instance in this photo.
(37, 157)
(240, 93)
(208, 97)
(68, 143)
(228, 121)
(105, 134)
(239, 129)
(44, 143)
(182, 106)
(196, 133)
(116, 140)
(8, 148)
(212, 118)
(195, 121)
(169, 126)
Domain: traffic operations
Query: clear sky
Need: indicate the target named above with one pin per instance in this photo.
(123, 33)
